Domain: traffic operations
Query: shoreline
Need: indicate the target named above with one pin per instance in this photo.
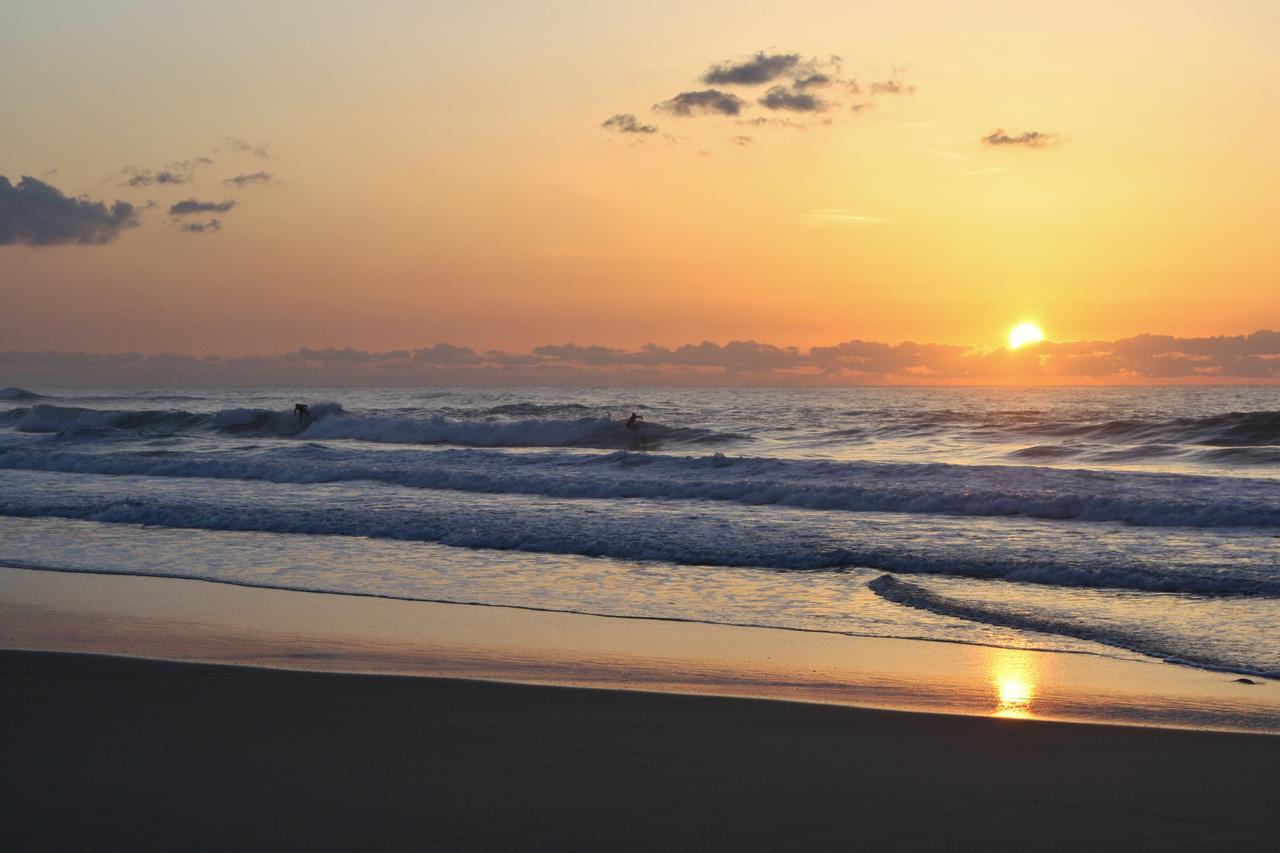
(196, 621)
(120, 753)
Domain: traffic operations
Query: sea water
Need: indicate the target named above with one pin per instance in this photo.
(1132, 522)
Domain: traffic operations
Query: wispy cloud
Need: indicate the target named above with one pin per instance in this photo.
(177, 172)
(627, 123)
(892, 87)
(249, 179)
(261, 150)
(1027, 139)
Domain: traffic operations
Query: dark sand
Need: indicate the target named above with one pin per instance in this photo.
(114, 753)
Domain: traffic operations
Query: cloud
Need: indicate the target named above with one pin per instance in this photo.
(892, 87)
(34, 213)
(627, 123)
(741, 140)
(815, 80)
(782, 98)
(263, 151)
(177, 172)
(761, 68)
(1028, 138)
(193, 206)
(772, 121)
(706, 101)
(202, 227)
(1142, 359)
(252, 178)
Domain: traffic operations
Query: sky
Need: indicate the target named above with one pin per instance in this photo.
(257, 179)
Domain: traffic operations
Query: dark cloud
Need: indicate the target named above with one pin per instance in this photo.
(34, 213)
(814, 80)
(892, 87)
(262, 151)
(252, 178)
(1027, 139)
(627, 123)
(192, 206)
(202, 227)
(782, 98)
(760, 68)
(177, 172)
(704, 101)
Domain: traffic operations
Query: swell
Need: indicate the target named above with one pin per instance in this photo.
(330, 421)
(18, 394)
(913, 595)
(1143, 499)
(1231, 429)
(1228, 429)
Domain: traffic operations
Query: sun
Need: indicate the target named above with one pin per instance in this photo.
(1025, 333)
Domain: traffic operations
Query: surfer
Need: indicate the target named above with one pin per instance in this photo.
(302, 412)
(633, 422)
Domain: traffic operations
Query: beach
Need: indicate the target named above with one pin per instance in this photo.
(299, 745)
(115, 753)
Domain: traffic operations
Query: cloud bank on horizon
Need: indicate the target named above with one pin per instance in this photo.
(1142, 359)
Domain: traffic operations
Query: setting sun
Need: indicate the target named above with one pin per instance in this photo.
(1025, 333)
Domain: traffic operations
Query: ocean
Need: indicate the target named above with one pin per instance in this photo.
(1139, 523)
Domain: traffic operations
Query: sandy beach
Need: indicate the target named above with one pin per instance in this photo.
(303, 745)
(114, 753)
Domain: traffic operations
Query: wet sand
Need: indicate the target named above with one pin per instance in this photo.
(116, 753)
(197, 621)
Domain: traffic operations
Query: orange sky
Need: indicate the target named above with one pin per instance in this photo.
(441, 174)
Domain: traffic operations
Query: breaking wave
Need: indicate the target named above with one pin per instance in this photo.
(1133, 637)
(1143, 499)
(1210, 563)
(329, 421)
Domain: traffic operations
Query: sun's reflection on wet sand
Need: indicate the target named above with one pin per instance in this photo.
(1013, 675)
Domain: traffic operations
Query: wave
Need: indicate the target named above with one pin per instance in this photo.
(1142, 499)
(1233, 429)
(1047, 554)
(330, 421)
(1131, 637)
(1244, 457)
(18, 394)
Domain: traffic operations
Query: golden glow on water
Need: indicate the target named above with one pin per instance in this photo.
(1014, 678)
